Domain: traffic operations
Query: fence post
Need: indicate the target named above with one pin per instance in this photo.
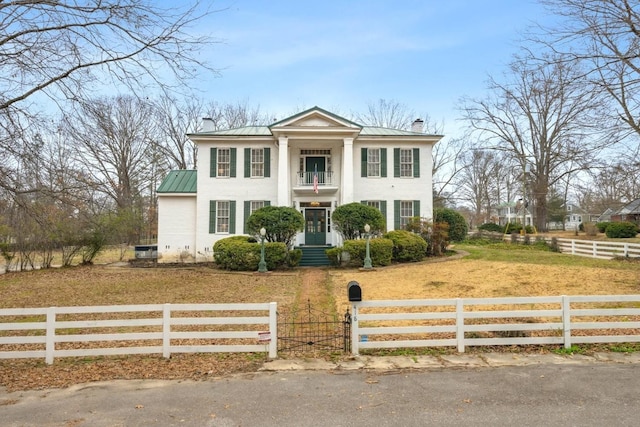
(566, 321)
(50, 340)
(595, 249)
(573, 247)
(166, 331)
(460, 324)
(354, 330)
(273, 330)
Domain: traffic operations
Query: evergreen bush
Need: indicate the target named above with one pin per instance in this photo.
(407, 246)
(619, 230)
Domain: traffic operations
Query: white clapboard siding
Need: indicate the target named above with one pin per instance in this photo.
(155, 333)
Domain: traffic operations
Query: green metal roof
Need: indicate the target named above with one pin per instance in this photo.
(380, 131)
(179, 181)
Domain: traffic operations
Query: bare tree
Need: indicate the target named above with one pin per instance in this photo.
(52, 52)
(545, 119)
(387, 114)
(604, 36)
(114, 139)
(175, 120)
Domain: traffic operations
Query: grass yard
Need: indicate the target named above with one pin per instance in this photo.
(501, 270)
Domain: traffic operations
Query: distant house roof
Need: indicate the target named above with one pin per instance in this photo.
(179, 181)
(630, 208)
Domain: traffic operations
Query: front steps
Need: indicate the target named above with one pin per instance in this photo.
(313, 256)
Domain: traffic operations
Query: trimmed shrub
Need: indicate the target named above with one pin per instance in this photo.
(407, 246)
(380, 251)
(458, 227)
(619, 230)
(602, 226)
(241, 253)
(491, 226)
(349, 220)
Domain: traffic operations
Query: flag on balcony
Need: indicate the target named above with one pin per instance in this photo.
(315, 180)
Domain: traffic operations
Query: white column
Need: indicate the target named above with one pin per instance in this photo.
(283, 171)
(347, 171)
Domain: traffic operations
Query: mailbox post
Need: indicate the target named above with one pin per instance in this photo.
(354, 293)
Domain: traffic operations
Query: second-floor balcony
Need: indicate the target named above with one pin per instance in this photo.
(325, 181)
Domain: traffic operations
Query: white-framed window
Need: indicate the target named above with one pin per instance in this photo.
(373, 162)
(406, 162)
(223, 216)
(374, 204)
(406, 212)
(255, 205)
(224, 162)
(257, 162)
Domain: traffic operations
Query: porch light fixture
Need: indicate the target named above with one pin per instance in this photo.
(262, 265)
(367, 258)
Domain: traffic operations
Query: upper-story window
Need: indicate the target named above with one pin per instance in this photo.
(224, 162)
(257, 162)
(373, 162)
(406, 162)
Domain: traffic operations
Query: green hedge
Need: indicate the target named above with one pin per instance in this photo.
(619, 230)
(380, 251)
(407, 246)
(491, 226)
(242, 253)
(602, 226)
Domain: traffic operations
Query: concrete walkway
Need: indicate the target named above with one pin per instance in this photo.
(484, 360)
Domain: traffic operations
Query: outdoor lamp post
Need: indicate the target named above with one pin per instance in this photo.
(262, 265)
(367, 257)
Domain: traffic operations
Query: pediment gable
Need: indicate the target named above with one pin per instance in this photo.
(315, 118)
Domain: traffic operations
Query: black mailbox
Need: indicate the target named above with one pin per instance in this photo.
(354, 291)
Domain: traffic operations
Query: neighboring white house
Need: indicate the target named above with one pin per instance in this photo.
(313, 161)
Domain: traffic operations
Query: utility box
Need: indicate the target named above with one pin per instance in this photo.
(146, 251)
(353, 291)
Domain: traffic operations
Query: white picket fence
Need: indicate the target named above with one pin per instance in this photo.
(462, 322)
(603, 249)
(137, 329)
(599, 249)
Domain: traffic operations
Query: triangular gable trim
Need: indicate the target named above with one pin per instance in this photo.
(315, 111)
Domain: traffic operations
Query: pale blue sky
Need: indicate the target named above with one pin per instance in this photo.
(340, 55)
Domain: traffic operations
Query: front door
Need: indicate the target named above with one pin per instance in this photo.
(315, 230)
(313, 164)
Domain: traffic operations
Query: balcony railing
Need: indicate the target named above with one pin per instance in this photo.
(305, 179)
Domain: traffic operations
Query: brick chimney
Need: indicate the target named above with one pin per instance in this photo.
(207, 125)
(417, 125)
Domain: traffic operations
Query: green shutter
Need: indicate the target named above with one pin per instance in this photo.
(416, 208)
(267, 162)
(396, 162)
(363, 162)
(247, 162)
(416, 163)
(233, 163)
(232, 217)
(212, 163)
(396, 214)
(212, 216)
(383, 162)
(247, 208)
(383, 210)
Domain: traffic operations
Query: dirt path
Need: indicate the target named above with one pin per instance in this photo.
(315, 292)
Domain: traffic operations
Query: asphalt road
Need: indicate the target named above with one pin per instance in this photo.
(568, 395)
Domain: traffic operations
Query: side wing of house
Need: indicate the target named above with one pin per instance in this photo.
(177, 218)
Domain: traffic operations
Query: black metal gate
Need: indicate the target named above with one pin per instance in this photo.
(314, 331)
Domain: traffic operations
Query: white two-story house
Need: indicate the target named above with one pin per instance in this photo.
(313, 161)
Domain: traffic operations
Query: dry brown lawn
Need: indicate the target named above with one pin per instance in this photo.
(460, 277)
